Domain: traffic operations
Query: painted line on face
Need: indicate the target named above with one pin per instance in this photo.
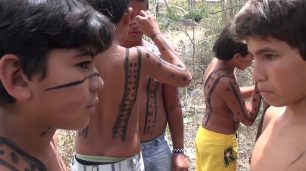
(74, 83)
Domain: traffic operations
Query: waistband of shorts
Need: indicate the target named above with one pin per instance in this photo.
(215, 134)
(160, 138)
(87, 162)
(96, 160)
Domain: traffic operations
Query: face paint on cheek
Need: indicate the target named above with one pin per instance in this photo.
(74, 83)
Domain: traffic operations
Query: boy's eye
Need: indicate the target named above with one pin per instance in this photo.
(270, 56)
(85, 64)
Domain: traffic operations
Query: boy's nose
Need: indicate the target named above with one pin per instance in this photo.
(258, 72)
(96, 83)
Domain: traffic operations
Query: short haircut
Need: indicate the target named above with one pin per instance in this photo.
(281, 19)
(113, 9)
(30, 29)
(142, 1)
(226, 47)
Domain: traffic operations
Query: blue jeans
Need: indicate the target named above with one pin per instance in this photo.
(156, 154)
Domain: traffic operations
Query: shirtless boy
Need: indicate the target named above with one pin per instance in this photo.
(45, 57)
(275, 35)
(216, 146)
(111, 140)
(160, 105)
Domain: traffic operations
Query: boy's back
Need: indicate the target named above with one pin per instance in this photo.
(123, 70)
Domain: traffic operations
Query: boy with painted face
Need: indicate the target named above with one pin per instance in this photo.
(48, 80)
(275, 35)
(216, 145)
(160, 106)
(111, 140)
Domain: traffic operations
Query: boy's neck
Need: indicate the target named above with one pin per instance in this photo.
(129, 44)
(227, 65)
(27, 134)
(297, 109)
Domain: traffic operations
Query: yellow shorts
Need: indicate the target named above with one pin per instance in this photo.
(215, 151)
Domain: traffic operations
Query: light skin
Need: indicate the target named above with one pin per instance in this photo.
(27, 127)
(271, 113)
(113, 130)
(160, 104)
(277, 70)
(224, 98)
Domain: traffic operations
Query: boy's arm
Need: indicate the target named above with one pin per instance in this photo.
(246, 92)
(163, 71)
(176, 126)
(230, 92)
(261, 122)
(150, 28)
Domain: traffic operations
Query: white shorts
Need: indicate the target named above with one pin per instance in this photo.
(134, 163)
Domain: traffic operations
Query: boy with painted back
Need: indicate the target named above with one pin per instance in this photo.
(111, 140)
(160, 106)
(275, 35)
(216, 144)
(47, 77)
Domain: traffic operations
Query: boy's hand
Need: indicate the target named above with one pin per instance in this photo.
(147, 24)
(179, 162)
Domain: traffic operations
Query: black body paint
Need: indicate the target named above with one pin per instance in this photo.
(74, 83)
(84, 132)
(132, 75)
(17, 155)
(151, 106)
(208, 90)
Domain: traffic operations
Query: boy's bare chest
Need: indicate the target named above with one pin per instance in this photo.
(279, 149)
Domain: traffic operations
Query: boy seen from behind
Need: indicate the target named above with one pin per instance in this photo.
(216, 144)
(111, 140)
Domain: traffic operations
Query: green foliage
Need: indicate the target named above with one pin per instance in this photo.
(197, 14)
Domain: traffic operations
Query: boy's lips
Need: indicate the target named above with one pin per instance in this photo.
(265, 93)
(93, 104)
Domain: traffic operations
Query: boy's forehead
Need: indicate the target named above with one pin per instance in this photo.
(71, 53)
(258, 44)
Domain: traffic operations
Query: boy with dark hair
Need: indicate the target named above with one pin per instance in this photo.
(111, 140)
(275, 34)
(216, 145)
(160, 106)
(46, 55)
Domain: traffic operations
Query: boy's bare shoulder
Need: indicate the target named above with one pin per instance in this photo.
(282, 143)
(272, 113)
(13, 157)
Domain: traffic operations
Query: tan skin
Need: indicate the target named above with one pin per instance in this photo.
(224, 98)
(163, 99)
(277, 70)
(113, 130)
(27, 127)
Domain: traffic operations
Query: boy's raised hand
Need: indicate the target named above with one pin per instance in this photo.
(147, 24)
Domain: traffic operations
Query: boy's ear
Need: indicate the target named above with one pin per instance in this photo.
(13, 79)
(237, 56)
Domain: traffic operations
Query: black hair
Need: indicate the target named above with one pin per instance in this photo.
(30, 29)
(226, 47)
(113, 9)
(146, 2)
(281, 19)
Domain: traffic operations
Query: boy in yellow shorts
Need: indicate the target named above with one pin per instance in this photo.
(216, 146)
